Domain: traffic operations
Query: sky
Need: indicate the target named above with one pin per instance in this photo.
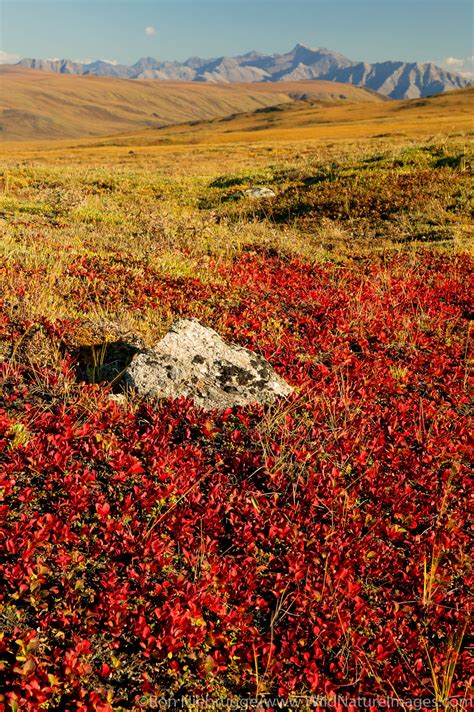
(125, 30)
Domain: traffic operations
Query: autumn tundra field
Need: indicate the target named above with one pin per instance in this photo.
(299, 554)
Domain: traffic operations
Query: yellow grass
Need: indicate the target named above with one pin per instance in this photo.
(241, 140)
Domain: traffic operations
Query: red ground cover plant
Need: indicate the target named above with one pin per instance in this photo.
(320, 545)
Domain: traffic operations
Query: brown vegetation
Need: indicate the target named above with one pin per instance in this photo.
(45, 105)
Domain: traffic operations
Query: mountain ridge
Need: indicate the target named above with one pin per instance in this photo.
(392, 78)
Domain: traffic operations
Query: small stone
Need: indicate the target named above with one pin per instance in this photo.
(194, 361)
(255, 193)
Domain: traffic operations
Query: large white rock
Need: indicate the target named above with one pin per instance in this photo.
(192, 360)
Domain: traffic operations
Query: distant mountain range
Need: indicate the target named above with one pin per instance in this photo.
(398, 80)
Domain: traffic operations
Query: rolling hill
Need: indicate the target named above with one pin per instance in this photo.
(396, 79)
(51, 106)
(447, 114)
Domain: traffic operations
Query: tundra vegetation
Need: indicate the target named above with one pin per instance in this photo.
(316, 545)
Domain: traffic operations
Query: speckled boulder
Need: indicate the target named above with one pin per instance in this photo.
(256, 193)
(192, 360)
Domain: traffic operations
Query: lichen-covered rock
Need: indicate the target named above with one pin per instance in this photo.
(254, 193)
(258, 193)
(193, 360)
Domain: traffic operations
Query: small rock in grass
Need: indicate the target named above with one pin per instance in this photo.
(194, 361)
(255, 193)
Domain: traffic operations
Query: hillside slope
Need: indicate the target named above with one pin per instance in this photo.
(45, 105)
(448, 114)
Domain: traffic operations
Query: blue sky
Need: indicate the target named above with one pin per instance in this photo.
(124, 30)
